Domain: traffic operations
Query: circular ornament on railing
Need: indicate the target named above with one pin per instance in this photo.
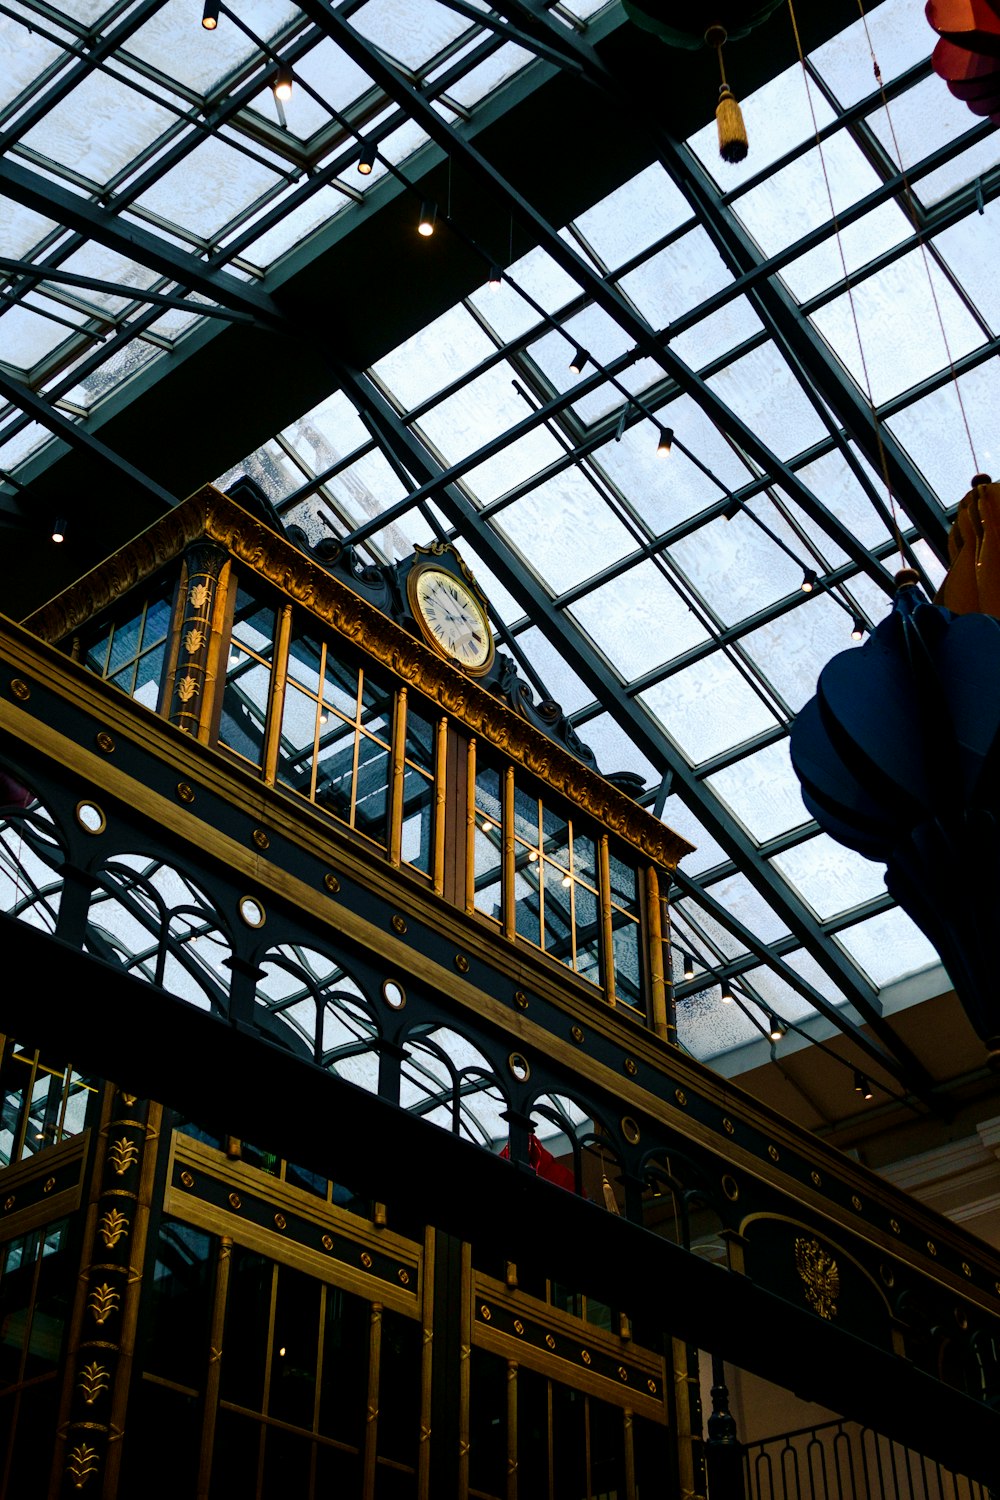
(252, 912)
(393, 994)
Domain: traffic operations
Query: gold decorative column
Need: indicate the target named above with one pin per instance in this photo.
(101, 1344)
(197, 643)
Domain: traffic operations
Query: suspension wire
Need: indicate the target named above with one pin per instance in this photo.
(915, 221)
(834, 219)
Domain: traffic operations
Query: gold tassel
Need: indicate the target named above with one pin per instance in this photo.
(733, 144)
(610, 1201)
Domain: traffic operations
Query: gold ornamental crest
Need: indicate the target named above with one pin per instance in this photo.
(820, 1275)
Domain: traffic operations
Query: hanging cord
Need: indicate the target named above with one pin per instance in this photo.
(876, 424)
(915, 221)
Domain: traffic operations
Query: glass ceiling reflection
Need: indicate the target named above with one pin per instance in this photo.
(678, 635)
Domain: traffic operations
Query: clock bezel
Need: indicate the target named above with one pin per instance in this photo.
(435, 565)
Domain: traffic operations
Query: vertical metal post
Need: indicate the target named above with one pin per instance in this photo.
(607, 931)
(214, 1373)
(371, 1414)
(511, 1430)
(197, 644)
(397, 777)
(440, 803)
(654, 948)
(276, 697)
(723, 1450)
(426, 1367)
(507, 886)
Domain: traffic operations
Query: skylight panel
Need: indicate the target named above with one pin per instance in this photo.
(15, 450)
(676, 279)
(99, 128)
(601, 339)
(211, 186)
(21, 229)
(537, 274)
(899, 37)
(411, 32)
(548, 524)
(174, 41)
(561, 682)
(634, 216)
(926, 117)
(718, 334)
(484, 408)
(763, 791)
(294, 226)
(103, 264)
(795, 200)
(614, 749)
(714, 942)
(335, 76)
(830, 878)
(708, 1028)
(26, 337)
(127, 360)
(761, 389)
(489, 75)
(792, 649)
(329, 432)
(962, 248)
(932, 430)
(24, 56)
(639, 621)
(832, 477)
(887, 947)
(738, 898)
(900, 332)
(736, 567)
(513, 464)
(859, 243)
(432, 358)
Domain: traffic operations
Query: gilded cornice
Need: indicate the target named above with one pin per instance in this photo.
(211, 514)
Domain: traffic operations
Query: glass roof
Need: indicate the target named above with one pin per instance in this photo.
(817, 325)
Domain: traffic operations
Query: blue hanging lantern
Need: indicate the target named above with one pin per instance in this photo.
(898, 756)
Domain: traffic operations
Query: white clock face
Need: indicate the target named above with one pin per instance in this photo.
(453, 619)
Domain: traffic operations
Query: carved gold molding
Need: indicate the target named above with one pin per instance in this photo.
(209, 513)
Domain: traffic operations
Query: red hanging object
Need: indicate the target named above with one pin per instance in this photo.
(968, 55)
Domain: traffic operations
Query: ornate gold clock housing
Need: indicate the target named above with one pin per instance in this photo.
(450, 611)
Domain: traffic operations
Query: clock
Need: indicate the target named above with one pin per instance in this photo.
(451, 617)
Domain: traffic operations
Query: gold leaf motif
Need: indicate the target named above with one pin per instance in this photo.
(820, 1276)
(199, 598)
(186, 689)
(93, 1380)
(103, 1301)
(83, 1461)
(123, 1154)
(194, 639)
(111, 1226)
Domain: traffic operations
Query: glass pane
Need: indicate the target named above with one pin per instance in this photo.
(527, 909)
(335, 769)
(418, 820)
(487, 857)
(295, 751)
(372, 794)
(628, 969)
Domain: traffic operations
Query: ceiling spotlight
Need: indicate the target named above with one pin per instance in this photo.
(688, 963)
(427, 220)
(665, 443)
(578, 361)
(59, 530)
(809, 581)
(210, 15)
(857, 628)
(495, 281)
(726, 996)
(775, 1028)
(732, 510)
(862, 1086)
(487, 826)
(281, 83)
(367, 158)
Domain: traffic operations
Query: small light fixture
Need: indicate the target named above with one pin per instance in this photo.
(427, 220)
(281, 83)
(809, 581)
(732, 510)
(665, 442)
(578, 361)
(59, 529)
(688, 963)
(487, 826)
(567, 880)
(726, 995)
(857, 628)
(495, 281)
(532, 856)
(367, 158)
(862, 1086)
(775, 1028)
(210, 15)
